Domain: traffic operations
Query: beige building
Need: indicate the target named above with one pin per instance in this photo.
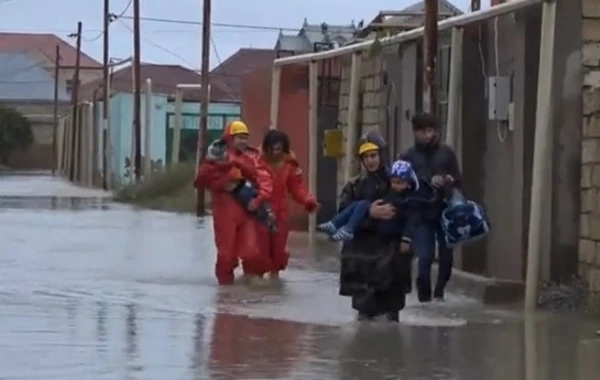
(27, 78)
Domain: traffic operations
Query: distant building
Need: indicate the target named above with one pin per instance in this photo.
(313, 37)
(41, 48)
(406, 19)
(224, 107)
(28, 87)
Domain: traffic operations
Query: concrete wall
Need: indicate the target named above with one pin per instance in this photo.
(589, 229)
(371, 111)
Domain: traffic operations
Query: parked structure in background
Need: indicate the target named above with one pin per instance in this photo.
(29, 88)
(314, 37)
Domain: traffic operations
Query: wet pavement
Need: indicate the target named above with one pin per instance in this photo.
(90, 289)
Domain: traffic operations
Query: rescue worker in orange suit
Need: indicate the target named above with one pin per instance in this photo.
(288, 180)
(234, 227)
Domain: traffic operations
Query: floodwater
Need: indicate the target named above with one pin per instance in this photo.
(90, 289)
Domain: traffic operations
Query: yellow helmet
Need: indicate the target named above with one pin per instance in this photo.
(367, 147)
(237, 127)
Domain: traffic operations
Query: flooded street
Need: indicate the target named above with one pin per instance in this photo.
(90, 289)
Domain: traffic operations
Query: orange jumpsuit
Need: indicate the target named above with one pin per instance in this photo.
(288, 180)
(234, 228)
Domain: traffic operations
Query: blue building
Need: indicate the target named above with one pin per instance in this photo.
(224, 107)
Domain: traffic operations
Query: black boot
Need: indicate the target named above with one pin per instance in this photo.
(423, 291)
(393, 316)
(365, 316)
(408, 287)
(439, 291)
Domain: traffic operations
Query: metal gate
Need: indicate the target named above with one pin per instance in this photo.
(329, 92)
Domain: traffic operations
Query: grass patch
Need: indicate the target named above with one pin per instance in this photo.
(171, 190)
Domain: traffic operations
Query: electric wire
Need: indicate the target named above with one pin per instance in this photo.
(97, 37)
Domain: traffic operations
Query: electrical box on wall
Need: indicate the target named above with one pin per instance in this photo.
(498, 98)
(333, 143)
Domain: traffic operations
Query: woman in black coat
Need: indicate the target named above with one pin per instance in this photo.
(374, 272)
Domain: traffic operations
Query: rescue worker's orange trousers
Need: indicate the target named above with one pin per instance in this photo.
(236, 239)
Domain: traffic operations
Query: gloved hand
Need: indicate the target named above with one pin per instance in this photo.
(311, 205)
(437, 181)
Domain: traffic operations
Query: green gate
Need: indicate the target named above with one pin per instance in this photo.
(190, 123)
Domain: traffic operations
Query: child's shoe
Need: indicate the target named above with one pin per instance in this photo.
(328, 228)
(343, 234)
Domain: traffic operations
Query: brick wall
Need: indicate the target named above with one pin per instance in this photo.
(370, 112)
(589, 243)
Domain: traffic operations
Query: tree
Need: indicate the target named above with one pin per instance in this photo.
(15, 132)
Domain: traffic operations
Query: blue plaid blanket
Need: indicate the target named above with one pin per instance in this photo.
(463, 220)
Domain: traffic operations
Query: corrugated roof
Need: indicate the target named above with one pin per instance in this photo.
(21, 78)
(338, 33)
(46, 44)
(414, 18)
(165, 79)
(444, 8)
(293, 43)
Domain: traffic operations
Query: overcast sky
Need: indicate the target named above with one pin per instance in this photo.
(180, 43)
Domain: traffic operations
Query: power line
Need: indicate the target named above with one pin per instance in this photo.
(214, 45)
(224, 87)
(117, 16)
(150, 42)
(221, 24)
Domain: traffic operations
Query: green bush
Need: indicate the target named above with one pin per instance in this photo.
(15, 132)
(171, 190)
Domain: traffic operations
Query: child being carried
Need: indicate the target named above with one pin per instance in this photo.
(242, 190)
(403, 195)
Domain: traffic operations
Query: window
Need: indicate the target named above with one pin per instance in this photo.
(69, 85)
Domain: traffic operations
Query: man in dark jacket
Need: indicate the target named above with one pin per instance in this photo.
(436, 163)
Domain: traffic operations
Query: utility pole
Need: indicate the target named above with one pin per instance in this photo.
(105, 99)
(475, 5)
(55, 157)
(74, 101)
(430, 49)
(200, 199)
(137, 96)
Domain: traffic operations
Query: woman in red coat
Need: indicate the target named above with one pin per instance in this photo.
(288, 180)
(234, 227)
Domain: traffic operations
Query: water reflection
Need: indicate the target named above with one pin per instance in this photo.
(101, 333)
(198, 347)
(55, 203)
(243, 347)
(131, 346)
(373, 353)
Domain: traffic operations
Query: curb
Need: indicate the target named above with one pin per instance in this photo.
(487, 290)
